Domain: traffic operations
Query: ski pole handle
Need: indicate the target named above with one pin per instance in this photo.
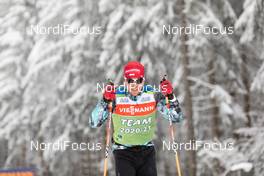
(164, 78)
(167, 99)
(167, 102)
(110, 109)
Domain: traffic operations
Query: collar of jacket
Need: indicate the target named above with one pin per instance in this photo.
(133, 98)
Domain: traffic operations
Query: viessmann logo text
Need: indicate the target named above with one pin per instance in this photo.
(135, 109)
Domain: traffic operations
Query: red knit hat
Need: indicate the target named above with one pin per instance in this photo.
(133, 69)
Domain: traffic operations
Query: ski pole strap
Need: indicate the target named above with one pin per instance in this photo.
(167, 102)
(166, 98)
(110, 107)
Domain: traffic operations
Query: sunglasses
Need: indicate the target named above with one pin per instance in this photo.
(138, 81)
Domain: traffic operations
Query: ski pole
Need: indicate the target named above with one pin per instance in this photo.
(108, 131)
(172, 135)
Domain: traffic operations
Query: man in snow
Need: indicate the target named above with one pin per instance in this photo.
(134, 120)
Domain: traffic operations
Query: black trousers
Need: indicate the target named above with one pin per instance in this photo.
(136, 161)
